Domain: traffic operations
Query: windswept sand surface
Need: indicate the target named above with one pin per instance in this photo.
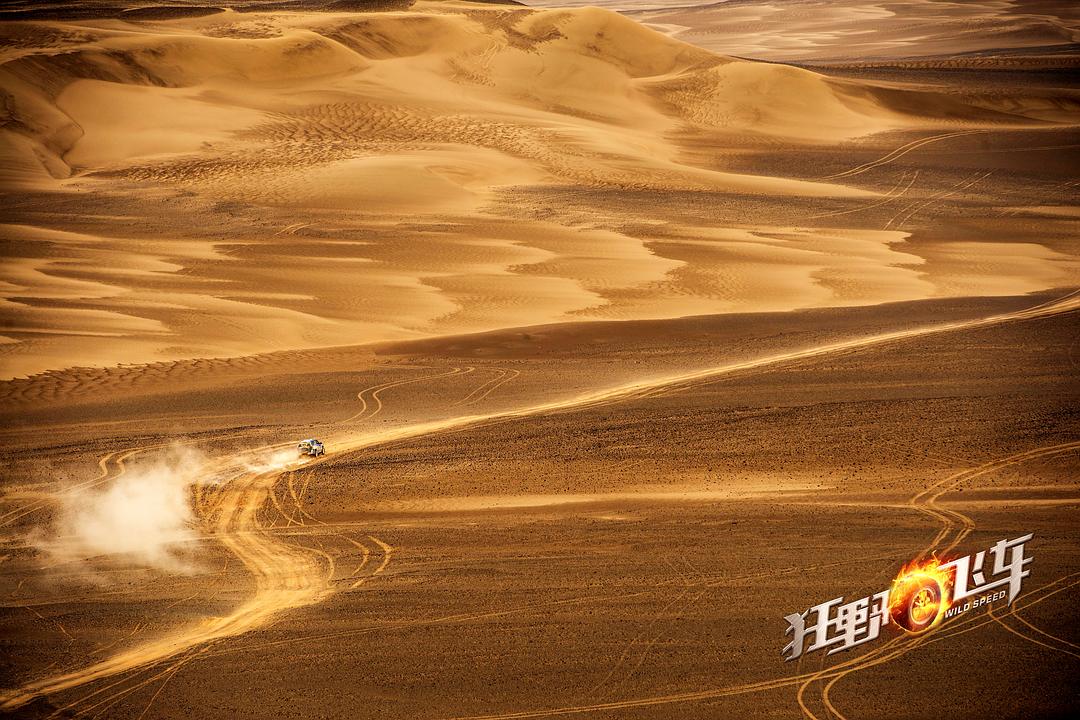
(855, 30)
(622, 350)
(233, 183)
(543, 523)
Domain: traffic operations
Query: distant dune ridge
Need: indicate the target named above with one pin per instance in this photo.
(856, 30)
(191, 183)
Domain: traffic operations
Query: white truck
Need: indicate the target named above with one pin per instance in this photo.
(311, 447)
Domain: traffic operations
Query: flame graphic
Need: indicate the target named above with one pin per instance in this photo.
(920, 595)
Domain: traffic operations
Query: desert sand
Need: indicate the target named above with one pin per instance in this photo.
(448, 169)
(973, 32)
(628, 333)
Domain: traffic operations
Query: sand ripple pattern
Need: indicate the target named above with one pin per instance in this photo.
(443, 170)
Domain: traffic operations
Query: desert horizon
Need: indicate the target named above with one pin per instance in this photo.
(627, 329)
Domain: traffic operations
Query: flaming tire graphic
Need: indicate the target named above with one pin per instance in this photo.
(921, 605)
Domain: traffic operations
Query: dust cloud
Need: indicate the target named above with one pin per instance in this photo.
(143, 516)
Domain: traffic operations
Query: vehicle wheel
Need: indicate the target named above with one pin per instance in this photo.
(921, 606)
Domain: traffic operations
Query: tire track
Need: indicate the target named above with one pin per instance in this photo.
(365, 554)
(958, 629)
(119, 460)
(10, 517)
(900, 152)
(889, 198)
(106, 703)
(916, 207)
(287, 577)
(1046, 634)
(652, 643)
(926, 502)
(633, 642)
(503, 377)
(373, 392)
(715, 693)
(387, 553)
(1000, 621)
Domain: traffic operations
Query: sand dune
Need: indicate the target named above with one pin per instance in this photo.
(221, 184)
(820, 30)
(622, 350)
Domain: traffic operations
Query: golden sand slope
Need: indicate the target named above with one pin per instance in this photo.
(243, 182)
(801, 30)
(571, 95)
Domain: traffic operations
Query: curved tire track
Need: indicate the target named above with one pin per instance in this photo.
(287, 577)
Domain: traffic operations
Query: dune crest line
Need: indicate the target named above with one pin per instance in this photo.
(287, 577)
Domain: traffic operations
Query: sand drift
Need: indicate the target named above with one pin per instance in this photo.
(457, 168)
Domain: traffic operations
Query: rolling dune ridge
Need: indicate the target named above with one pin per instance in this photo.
(374, 176)
(836, 30)
(620, 351)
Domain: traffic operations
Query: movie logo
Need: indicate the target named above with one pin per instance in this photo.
(925, 593)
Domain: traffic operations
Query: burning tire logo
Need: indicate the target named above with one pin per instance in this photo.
(916, 602)
(923, 607)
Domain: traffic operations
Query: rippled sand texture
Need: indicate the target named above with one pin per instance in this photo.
(755, 336)
(235, 183)
(831, 30)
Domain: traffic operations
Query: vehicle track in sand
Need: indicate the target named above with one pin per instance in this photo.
(370, 398)
(905, 214)
(502, 377)
(704, 582)
(287, 577)
(1035, 596)
(894, 194)
(900, 152)
(891, 650)
(118, 459)
(12, 516)
(952, 522)
(1072, 647)
(957, 628)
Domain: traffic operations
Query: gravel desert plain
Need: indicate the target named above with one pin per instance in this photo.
(629, 331)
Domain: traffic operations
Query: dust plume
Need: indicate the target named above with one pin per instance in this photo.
(273, 461)
(142, 516)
